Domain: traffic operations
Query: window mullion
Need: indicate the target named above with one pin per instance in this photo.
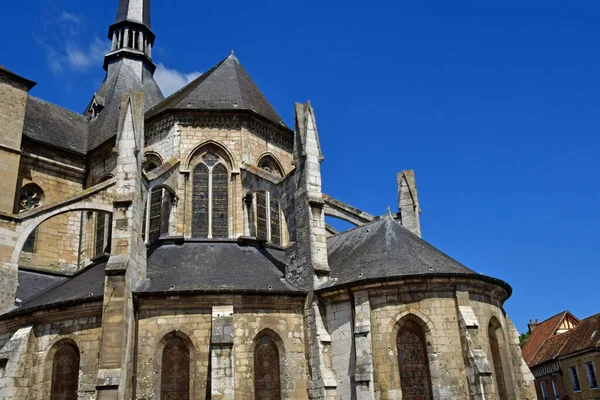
(210, 201)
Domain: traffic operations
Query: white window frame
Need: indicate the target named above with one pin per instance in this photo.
(574, 375)
(590, 371)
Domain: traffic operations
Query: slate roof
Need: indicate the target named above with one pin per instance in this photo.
(32, 283)
(48, 123)
(134, 10)
(542, 332)
(385, 249)
(88, 283)
(216, 266)
(226, 86)
(120, 78)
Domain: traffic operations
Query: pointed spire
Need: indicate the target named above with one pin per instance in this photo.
(134, 11)
(131, 33)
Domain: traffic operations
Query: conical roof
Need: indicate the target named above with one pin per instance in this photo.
(226, 86)
(384, 249)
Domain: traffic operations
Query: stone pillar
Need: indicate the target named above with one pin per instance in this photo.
(16, 377)
(114, 43)
(141, 40)
(126, 266)
(408, 201)
(126, 37)
(221, 354)
(13, 101)
(363, 375)
(479, 370)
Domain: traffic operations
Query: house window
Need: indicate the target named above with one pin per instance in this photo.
(175, 370)
(543, 390)
(591, 375)
(555, 390)
(267, 377)
(30, 197)
(574, 375)
(103, 233)
(210, 198)
(65, 373)
(413, 362)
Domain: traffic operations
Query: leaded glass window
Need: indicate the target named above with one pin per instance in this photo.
(210, 198)
(65, 373)
(267, 379)
(261, 216)
(275, 221)
(30, 197)
(413, 362)
(268, 218)
(175, 370)
(155, 216)
(220, 204)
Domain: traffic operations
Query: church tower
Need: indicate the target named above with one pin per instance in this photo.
(129, 68)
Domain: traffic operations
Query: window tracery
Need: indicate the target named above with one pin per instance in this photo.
(210, 198)
(413, 362)
(30, 197)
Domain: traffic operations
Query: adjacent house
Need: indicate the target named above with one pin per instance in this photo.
(563, 353)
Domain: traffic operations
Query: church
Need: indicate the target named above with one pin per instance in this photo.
(176, 248)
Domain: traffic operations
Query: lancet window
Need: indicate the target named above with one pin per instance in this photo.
(103, 234)
(413, 362)
(210, 199)
(157, 214)
(267, 376)
(65, 373)
(175, 370)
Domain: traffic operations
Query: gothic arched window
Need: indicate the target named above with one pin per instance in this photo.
(175, 370)
(65, 373)
(267, 377)
(494, 331)
(413, 362)
(210, 198)
(268, 219)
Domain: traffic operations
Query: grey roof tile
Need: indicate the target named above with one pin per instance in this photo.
(226, 86)
(134, 10)
(385, 249)
(215, 266)
(48, 123)
(32, 283)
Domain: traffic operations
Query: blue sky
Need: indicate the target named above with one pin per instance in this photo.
(495, 105)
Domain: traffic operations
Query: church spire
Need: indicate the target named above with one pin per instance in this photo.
(131, 33)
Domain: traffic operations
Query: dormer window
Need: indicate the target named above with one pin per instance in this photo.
(96, 106)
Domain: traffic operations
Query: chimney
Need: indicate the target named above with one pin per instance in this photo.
(532, 324)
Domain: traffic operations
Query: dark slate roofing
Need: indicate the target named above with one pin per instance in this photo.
(120, 78)
(88, 283)
(215, 266)
(134, 10)
(48, 123)
(32, 283)
(226, 86)
(385, 249)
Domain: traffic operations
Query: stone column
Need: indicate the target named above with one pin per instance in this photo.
(363, 375)
(221, 354)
